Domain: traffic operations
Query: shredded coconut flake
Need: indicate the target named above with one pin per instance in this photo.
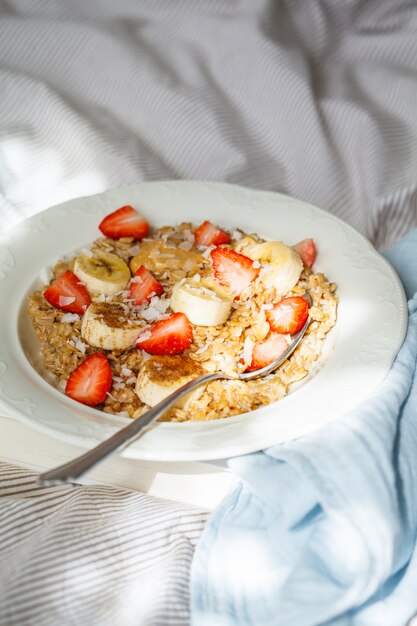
(247, 351)
(155, 310)
(188, 235)
(202, 349)
(46, 275)
(65, 300)
(68, 318)
(134, 250)
(164, 236)
(87, 252)
(207, 251)
(81, 346)
(237, 235)
(186, 245)
(101, 298)
(136, 279)
(126, 371)
(144, 336)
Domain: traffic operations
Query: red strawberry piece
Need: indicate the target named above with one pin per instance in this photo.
(90, 381)
(307, 251)
(264, 353)
(208, 234)
(143, 286)
(233, 270)
(169, 336)
(288, 315)
(125, 222)
(67, 294)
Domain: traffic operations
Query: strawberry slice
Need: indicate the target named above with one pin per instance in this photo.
(169, 336)
(90, 381)
(288, 315)
(264, 353)
(67, 294)
(125, 222)
(143, 286)
(307, 251)
(208, 234)
(233, 270)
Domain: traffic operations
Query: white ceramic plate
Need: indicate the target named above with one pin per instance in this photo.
(372, 318)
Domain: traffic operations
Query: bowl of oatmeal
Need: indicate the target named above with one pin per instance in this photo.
(131, 293)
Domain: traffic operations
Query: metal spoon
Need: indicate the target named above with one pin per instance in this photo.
(72, 470)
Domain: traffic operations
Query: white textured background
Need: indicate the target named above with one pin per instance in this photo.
(316, 99)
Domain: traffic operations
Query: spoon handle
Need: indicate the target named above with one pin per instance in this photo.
(77, 467)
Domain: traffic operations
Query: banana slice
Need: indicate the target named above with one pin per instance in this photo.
(105, 273)
(203, 301)
(282, 265)
(161, 375)
(105, 325)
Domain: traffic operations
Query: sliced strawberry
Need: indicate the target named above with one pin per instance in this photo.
(90, 381)
(233, 270)
(208, 234)
(169, 336)
(67, 294)
(264, 353)
(143, 286)
(288, 315)
(125, 222)
(307, 251)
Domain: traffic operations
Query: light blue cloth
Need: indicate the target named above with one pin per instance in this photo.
(323, 530)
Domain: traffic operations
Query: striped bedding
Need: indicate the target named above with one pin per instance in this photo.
(317, 100)
(92, 555)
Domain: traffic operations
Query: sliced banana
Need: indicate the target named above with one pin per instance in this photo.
(282, 265)
(104, 273)
(203, 301)
(106, 326)
(161, 375)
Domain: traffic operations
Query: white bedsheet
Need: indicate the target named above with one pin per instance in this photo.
(315, 99)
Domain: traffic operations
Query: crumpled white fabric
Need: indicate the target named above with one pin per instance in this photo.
(312, 99)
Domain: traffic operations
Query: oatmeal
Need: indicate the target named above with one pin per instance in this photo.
(161, 307)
